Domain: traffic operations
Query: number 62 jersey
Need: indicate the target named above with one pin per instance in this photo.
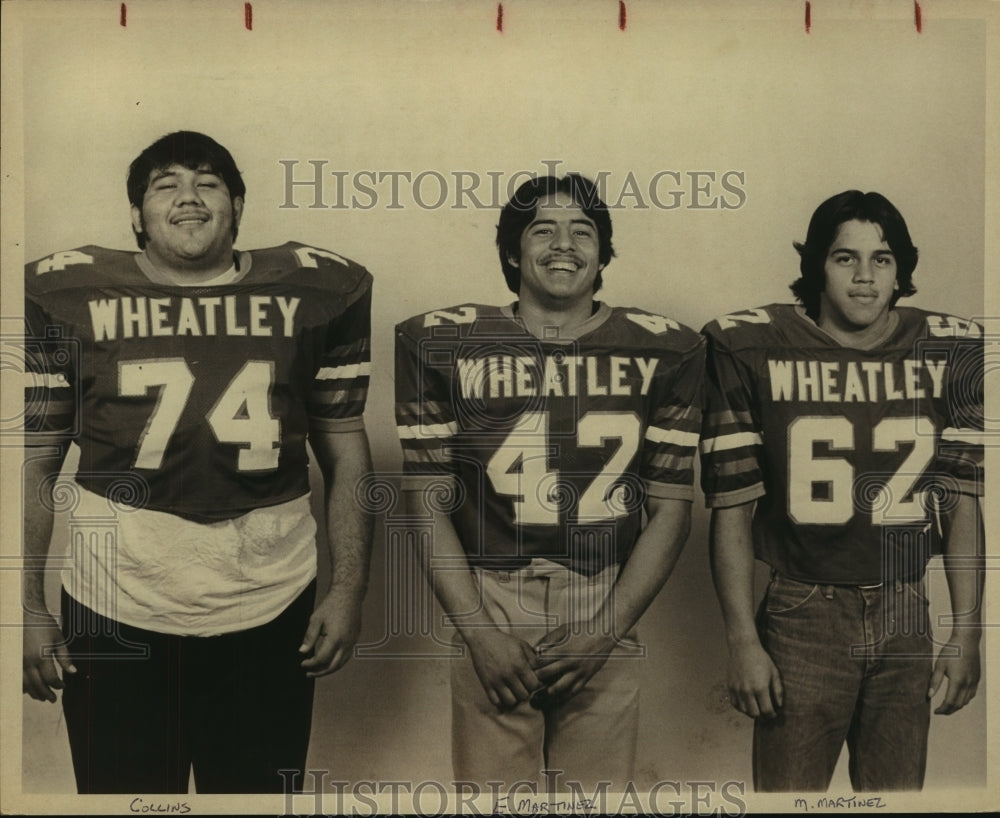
(204, 393)
(548, 445)
(852, 455)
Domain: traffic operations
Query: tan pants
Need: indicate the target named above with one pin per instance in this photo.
(591, 737)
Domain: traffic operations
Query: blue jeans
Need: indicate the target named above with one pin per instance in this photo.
(855, 663)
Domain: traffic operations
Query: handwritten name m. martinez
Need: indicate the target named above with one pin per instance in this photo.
(259, 316)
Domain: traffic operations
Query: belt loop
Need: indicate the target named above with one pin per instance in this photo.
(503, 576)
(828, 591)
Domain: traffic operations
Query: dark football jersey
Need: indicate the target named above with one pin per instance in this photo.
(205, 393)
(551, 445)
(851, 454)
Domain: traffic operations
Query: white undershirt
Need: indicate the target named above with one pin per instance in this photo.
(160, 572)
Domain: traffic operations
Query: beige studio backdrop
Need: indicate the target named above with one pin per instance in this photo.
(715, 128)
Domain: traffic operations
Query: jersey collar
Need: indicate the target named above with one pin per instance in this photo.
(241, 267)
(876, 342)
(602, 314)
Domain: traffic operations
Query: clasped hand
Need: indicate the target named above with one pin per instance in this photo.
(548, 673)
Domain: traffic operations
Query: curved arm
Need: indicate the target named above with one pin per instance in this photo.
(344, 459)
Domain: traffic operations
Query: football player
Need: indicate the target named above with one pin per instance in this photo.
(534, 436)
(191, 376)
(842, 447)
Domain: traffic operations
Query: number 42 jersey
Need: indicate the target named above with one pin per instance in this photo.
(851, 455)
(549, 445)
(204, 393)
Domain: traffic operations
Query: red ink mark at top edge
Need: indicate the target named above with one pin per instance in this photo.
(918, 16)
(622, 15)
(809, 16)
(248, 16)
(500, 17)
(122, 16)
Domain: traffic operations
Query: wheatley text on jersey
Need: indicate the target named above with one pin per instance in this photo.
(847, 381)
(259, 316)
(519, 376)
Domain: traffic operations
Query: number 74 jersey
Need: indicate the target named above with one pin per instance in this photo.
(851, 455)
(202, 396)
(549, 446)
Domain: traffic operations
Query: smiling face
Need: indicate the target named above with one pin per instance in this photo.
(559, 255)
(860, 278)
(189, 220)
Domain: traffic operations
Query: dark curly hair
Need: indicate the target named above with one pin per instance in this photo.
(519, 212)
(191, 150)
(844, 207)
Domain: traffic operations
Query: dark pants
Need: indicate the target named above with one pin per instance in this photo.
(855, 664)
(145, 707)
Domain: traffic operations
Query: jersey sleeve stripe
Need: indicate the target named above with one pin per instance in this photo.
(735, 440)
(731, 473)
(678, 414)
(44, 380)
(415, 410)
(962, 435)
(669, 461)
(423, 430)
(963, 453)
(346, 371)
(356, 351)
(53, 407)
(429, 414)
(671, 438)
(735, 468)
(329, 394)
(673, 414)
(418, 460)
(338, 398)
(677, 437)
(669, 491)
